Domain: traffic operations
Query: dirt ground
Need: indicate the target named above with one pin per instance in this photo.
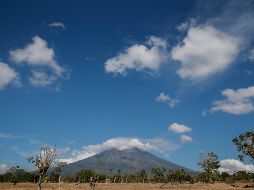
(129, 186)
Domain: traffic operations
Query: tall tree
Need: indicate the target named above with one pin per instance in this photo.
(43, 161)
(245, 145)
(209, 162)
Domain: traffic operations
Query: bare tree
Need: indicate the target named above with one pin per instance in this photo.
(43, 161)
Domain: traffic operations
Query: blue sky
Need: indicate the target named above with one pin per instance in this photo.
(171, 77)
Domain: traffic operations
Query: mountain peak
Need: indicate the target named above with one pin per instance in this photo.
(128, 161)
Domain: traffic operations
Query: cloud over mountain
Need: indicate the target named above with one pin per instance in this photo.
(158, 145)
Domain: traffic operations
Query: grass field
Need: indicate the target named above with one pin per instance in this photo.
(131, 186)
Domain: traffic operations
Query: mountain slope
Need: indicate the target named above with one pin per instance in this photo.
(128, 161)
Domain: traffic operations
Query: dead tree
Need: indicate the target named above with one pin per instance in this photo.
(43, 161)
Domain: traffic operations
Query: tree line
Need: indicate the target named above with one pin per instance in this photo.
(155, 175)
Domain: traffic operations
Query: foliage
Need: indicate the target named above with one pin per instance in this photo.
(179, 176)
(209, 162)
(157, 175)
(18, 175)
(142, 176)
(243, 176)
(84, 175)
(245, 145)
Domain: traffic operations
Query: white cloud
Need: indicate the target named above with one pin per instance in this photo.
(185, 139)
(231, 166)
(4, 168)
(148, 56)
(205, 51)
(39, 78)
(8, 75)
(179, 128)
(37, 53)
(167, 99)
(42, 58)
(157, 145)
(238, 102)
(57, 25)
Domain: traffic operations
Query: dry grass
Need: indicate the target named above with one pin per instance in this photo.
(131, 186)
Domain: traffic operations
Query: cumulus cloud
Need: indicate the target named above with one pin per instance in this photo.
(231, 166)
(4, 168)
(158, 145)
(57, 25)
(205, 51)
(185, 139)
(238, 102)
(139, 57)
(7, 76)
(39, 55)
(166, 99)
(179, 128)
(213, 46)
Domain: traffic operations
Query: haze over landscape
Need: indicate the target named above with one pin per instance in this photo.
(162, 80)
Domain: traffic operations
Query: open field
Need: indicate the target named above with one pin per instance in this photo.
(131, 186)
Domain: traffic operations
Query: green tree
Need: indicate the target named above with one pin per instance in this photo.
(245, 145)
(85, 175)
(179, 176)
(142, 176)
(224, 176)
(209, 162)
(157, 175)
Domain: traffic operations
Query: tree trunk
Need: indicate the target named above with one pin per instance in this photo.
(39, 183)
(59, 182)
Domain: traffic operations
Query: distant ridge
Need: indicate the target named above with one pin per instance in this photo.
(128, 161)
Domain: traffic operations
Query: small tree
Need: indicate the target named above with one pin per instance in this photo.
(58, 170)
(245, 145)
(157, 175)
(209, 162)
(85, 175)
(43, 161)
(142, 176)
(179, 176)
